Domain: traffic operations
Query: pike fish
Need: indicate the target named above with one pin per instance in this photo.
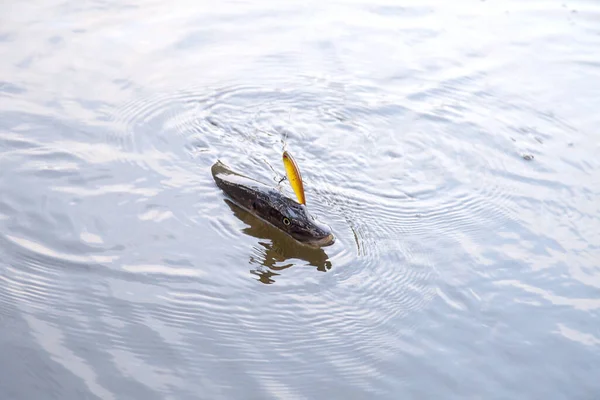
(272, 206)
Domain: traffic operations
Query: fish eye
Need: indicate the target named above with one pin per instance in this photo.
(286, 221)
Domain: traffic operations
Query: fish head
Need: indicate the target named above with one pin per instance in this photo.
(294, 219)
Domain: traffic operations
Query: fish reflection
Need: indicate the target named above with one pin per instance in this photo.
(278, 248)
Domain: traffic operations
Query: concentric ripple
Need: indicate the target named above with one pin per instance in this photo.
(435, 184)
(443, 182)
(377, 272)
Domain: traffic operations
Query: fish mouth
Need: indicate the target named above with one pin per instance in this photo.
(321, 242)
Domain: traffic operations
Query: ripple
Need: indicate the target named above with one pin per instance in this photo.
(37, 248)
(397, 178)
(254, 122)
(251, 120)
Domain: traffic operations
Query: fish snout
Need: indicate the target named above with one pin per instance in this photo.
(320, 235)
(325, 241)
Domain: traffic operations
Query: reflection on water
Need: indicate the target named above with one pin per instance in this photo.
(278, 250)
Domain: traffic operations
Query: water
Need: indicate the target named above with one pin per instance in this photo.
(453, 148)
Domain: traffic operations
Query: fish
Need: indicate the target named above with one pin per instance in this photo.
(272, 206)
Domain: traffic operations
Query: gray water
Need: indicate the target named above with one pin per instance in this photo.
(453, 147)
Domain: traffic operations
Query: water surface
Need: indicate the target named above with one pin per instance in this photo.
(453, 148)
